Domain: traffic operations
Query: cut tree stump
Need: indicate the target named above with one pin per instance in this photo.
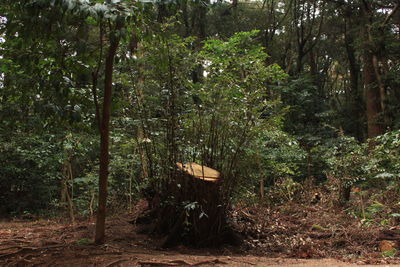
(192, 210)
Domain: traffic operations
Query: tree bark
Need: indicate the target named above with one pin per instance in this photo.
(372, 94)
(66, 193)
(104, 138)
(141, 133)
(344, 195)
(356, 99)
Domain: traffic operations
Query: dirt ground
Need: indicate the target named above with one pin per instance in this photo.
(271, 238)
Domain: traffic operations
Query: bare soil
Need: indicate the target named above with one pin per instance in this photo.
(284, 236)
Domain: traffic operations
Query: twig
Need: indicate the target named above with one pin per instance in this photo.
(181, 263)
(390, 15)
(246, 262)
(16, 252)
(115, 263)
(209, 261)
(154, 263)
(12, 247)
(13, 241)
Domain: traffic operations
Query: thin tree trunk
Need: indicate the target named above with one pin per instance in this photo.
(141, 134)
(172, 124)
(313, 64)
(309, 162)
(136, 48)
(382, 90)
(185, 17)
(262, 184)
(344, 195)
(142, 151)
(95, 76)
(66, 196)
(104, 139)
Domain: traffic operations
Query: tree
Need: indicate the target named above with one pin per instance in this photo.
(105, 131)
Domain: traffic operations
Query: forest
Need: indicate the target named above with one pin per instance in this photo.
(199, 132)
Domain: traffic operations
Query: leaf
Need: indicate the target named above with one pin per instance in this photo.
(71, 5)
(389, 253)
(202, 214)
(84, 242)
(385, 175)
(77, 108)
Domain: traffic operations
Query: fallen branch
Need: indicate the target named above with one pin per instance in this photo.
(180, 263)
(13, 241)
(12, 247)
(246, 262)
(154, 263)
(15, 253)
(216, 261)
(26, 248)
(116, 263)
(106, 253)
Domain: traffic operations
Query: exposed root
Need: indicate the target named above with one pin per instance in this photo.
(180, 263)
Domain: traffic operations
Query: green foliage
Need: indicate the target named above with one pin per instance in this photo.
(282, 156)
(356, 163)
(346, 160)
(383, 164)
(389, 253)
(284, 190)
(235, 106)
(317, 227)
(30, 173)
(84, 242)
(309, 120)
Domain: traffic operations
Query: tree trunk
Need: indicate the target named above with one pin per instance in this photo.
(356, 100)
(344, 195)
(300, 57)
(382, 91)
(66, 195)
(162, 11)
(185, 17)
(142, 151)
(372, 94)
(141, 133)
(136, 48)
(313, 67)
(262, 185)
(104, 138)
(260, 171)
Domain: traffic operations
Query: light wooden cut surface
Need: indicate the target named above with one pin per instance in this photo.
(199, 171)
